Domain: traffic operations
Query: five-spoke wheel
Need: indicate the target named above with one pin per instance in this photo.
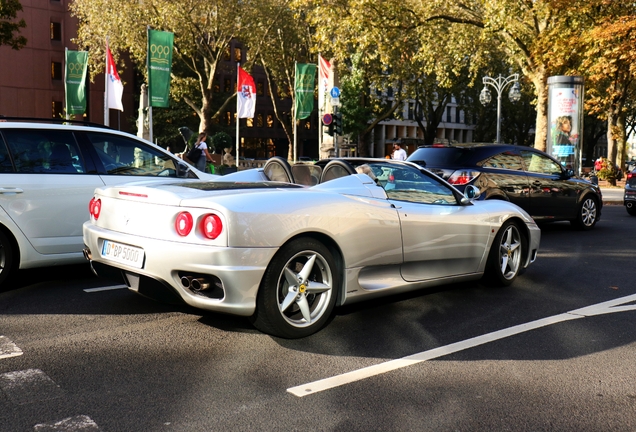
(298, 292)
(506, 254)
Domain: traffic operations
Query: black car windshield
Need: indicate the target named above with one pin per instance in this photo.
(441, 156)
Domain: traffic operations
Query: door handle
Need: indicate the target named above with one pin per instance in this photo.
(8, 190)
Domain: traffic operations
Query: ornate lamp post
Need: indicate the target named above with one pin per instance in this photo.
(500, 83)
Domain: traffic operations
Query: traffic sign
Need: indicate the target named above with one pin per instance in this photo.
(335, 92)
(327, 119)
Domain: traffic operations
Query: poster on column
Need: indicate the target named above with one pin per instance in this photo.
(564, 123)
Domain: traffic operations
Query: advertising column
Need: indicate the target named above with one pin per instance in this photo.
(565, 117)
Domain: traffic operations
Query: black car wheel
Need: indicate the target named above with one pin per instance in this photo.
(298, 291)
(587, 214)
(631, 210)
(6, 259)
(506, 254)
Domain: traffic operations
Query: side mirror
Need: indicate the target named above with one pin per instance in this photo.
(471, 193)
(182, 169)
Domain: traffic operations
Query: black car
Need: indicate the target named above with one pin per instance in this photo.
(523, 175)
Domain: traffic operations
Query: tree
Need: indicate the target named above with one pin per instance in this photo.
(453, 32)
(203, 31)
(604, 52)
(8, 27)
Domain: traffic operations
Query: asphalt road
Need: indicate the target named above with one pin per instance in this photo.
(545, 354)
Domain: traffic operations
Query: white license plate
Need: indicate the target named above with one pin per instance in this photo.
(126, 254)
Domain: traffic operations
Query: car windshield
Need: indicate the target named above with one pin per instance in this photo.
(407, 183)
(441, 156)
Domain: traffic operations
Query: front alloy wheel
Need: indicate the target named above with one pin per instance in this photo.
(298, 292)
(506, 253)
(587, 214)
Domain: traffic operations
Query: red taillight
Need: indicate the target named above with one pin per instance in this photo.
(211, 226)
(462, 177)
(630, 175)
(183, 224)
(95, 207)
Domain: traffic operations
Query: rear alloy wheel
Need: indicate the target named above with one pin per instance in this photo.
(298, 291)
(631, 210)
(506, 253)
(6, 259)
(587, 215)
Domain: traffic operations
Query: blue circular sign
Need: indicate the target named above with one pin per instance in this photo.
(335, 92)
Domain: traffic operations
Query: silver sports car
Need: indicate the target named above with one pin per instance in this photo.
(284, 244)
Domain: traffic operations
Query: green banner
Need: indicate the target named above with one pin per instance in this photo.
(159, 67)
(304, 89)
(75, 81)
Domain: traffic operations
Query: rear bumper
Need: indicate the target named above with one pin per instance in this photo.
(239, 270)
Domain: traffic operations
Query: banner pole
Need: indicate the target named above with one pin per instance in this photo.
(238, 142)
(149, 93)
(106, 113)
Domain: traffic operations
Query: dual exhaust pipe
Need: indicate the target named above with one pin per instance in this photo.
(195, 284)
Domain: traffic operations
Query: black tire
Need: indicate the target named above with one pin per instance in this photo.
(587, 214)
(631, 210)
(505, 259)
(287, 308)
(7, 260)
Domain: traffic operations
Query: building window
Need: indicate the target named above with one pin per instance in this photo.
(238, 54)
(226, 54)
(228, 118)
(411, 113)
(56, 109)
(270, 120)
(228, 85)
(259, 120)
(56, 70)
(448, 114)
(308, 124)
(216, 86)
(56, 31)
(259, 88)
(249, 121)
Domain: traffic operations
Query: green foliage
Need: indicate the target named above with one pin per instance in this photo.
(8, 27)
(220, 140)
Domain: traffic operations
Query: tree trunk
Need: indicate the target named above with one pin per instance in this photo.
(540, 81)
(612, 134)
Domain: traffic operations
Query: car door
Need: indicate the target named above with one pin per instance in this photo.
(552, 196)
(45, 188)
(440, 237)
(121, 159)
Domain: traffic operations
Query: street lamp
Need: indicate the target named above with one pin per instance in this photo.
(500, 83)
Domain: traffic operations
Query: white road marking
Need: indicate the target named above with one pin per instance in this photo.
(8, 348)
(28, 386)
(106, 288)
(77, 423)
(360, 374)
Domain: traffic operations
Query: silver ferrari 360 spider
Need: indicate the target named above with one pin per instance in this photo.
(284, 245)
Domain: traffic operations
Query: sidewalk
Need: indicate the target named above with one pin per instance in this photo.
(612, 195)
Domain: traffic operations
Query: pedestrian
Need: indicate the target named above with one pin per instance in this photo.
(199, 153)
(398, 152)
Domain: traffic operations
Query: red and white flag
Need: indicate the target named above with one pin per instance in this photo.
(114, 87)
(245, 95)
(324, 76)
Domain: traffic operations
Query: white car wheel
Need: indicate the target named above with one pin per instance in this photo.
(506, 253)
(298, 291)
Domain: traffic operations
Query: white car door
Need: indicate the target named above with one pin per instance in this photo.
(48, 193)
(440, 237)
